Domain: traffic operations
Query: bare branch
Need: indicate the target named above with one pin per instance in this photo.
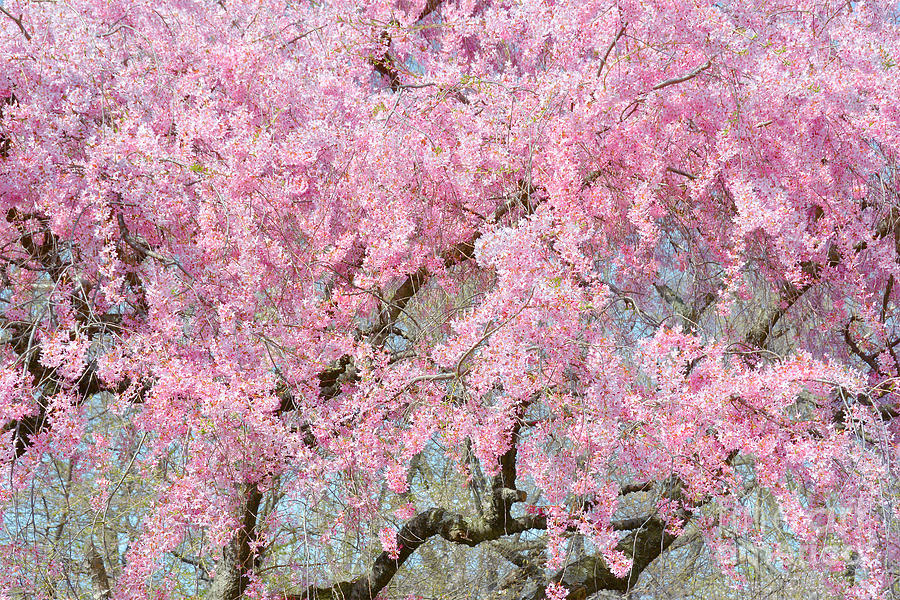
(759, 333)
(418, 530)
(17, 22)
(430, 7)
(869, 359)
(682, 173)
(887, 296)
(683, 78)
(609, 49)
(144, 249)
(635, 488)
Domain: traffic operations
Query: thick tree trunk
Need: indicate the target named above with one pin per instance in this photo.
(239, 557)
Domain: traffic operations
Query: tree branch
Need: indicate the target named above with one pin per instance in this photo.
(418, 530)
(869, 359)
(430, 7)
(5, 141)
(683, 78)
(609, 48)
(590, 574)
(682, 173)
(17, 22)
(689, 315)
(759, 333)
(635, 488)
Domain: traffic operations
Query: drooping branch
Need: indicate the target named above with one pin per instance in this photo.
(759, 333)
(681, 172)
(884, 411)
(26, 428)
(385, 64)
(867, 358)
(889, 225)
(143, 249)
(455, 255)
(887, 296)
(646, 540)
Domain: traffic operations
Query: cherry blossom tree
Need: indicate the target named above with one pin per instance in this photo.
(312, 300)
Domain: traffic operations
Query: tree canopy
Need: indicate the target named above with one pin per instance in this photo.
(313, 300)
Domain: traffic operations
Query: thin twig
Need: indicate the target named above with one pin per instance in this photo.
(300, 37)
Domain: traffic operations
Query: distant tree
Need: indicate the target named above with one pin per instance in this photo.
(466, 299)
